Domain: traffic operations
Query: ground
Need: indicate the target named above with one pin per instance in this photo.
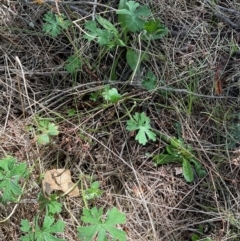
(195, 98)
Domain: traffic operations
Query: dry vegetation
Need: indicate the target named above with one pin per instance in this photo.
(197, 65)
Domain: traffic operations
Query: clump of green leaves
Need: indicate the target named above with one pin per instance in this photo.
(132, 18)
(35, 232)
(111, 94)
(55, 24)
(10, 174)
(93, 192)
(73, 64)
(45, 129)
(107, 35)
(132, 15)
(50, 203)
(141, 123)
(150, 81)
(154, 29)
(101, 227)
(178, 151)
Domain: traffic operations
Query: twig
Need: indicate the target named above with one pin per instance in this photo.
(219, 14)
(94, 10)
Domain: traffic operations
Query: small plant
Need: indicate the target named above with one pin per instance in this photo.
(150, 81)
(10, 175)
(106, 36)
(54, 24)
(73, 64)
(45, 129)
(71, 112)
(102, 227)
(141, 123)
(132, 15)
(132, 18)
(111, 94)
(38, 233)
(50, 203)
(178, 152)
(93, 192)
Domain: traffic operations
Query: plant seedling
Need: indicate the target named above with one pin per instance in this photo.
(102, 227)
(141, 123)
(111, 94)
(178, 152)
(132, 15)
(93, 192)
(150, 81)
(107, 36)
(73, 64)
(50, 203)
(154, 30)
(45, 129)
(55, 24)
(10, 174)
(37, 233)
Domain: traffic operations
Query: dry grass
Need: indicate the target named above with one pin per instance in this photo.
(159, 204)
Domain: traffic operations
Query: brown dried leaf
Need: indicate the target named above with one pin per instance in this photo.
(59, 179)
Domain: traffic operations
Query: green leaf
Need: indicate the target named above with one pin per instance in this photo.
(107, 25)
(55, 24)
(100, 227)
(93, 192)
(43, 139)
(154, 30)
(44, 130)
(195, 237)
(50, 203)
(36, 233)
(52, 129)
(73, 64)
(108, 36)
(111, 95)
(162, 159)
(121, 17)
(172, 150)
(150, 81)
(26, 226)
(141, 123)
(133, 15)
(71, 112)
(10, 174)
(198, 168)
(187, 171)
(133, 60)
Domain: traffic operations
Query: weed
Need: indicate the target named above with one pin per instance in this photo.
(141, 123)
(93, 192)
(73, 64)
(101, 227)
(38, 233)
(131, 16)
(45, 129)
(54, 24)
(50, 203)
(178, 151)
(150, 81)
(111, 94)
(10, 175)
(107, 36)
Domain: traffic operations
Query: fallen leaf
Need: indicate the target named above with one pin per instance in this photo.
(59, 179)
